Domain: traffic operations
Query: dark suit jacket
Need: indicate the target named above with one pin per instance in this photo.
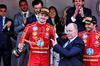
(80, 24)
(72, 54)
(18, 27)
(6, 43)
(60, 29)
(33, 19)
(0, 24)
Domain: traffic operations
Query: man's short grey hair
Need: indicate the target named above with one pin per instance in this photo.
(75, 25)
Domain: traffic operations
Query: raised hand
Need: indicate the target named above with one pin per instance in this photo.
(24, 21)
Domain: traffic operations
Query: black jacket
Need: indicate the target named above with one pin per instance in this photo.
(72, 54)
(80, 24)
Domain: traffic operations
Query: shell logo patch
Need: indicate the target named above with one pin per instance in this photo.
(84, 41)
(97, 37)
(34, 33)
(35, 28)
(47, 29)
(89, 51)
(84, 36)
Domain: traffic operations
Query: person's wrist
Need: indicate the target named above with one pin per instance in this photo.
(23, 23)
(82, 15)
(54, 44)
(74, 16)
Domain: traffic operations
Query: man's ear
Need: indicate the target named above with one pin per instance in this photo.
(83, 3)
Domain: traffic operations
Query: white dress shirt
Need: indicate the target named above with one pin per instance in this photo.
(69, 41)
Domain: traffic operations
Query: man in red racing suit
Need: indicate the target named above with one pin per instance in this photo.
(91, 38)
(38, 36)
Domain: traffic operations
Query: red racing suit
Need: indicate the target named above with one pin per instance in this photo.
(38, 37)
(92, 48)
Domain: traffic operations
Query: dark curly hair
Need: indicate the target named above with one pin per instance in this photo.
(35, 2)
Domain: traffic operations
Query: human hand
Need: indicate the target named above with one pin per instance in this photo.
(54, 42)
(9, 24)
(20, 46)
(82, 12)
(24, 21)
(76, 11)
(4, 26)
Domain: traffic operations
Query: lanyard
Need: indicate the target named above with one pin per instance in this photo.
(4, 21)
(23, 15)
(54, 25)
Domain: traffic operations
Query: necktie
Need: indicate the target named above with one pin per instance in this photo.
(79, 12)
(0, 24)
(24, 14)
(66, 43)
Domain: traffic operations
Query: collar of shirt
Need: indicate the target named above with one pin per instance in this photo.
(73, 39)
(4, 20)
(36, 16)
(26, 13)
(80, 11)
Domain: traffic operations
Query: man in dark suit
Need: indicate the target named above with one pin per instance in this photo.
(0, 24)
(77, 13)
(37, 5)
(5, 40)
(19, 25)
(71, 51)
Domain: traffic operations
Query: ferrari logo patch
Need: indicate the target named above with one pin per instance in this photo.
(47, 29)
(97, 37)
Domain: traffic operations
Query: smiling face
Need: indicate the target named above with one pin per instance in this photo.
(37, 8)
(24, 6)
(78, 3)
(2, 11)
(90, 27)
(71, 31)
(42, 17)
(52, 13)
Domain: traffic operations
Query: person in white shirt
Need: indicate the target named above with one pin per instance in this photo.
(72, 49)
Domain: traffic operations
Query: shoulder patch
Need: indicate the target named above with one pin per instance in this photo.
(98, 32)
(83, 32)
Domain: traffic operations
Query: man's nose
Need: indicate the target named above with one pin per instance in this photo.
(38, 10)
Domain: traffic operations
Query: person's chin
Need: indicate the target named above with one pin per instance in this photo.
(69, 37)
(42, 22)
(88, 29)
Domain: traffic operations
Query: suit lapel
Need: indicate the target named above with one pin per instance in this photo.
(35, 19)
(6, 20)
(71, 44)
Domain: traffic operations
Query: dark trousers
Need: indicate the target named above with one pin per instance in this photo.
(6, 57)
